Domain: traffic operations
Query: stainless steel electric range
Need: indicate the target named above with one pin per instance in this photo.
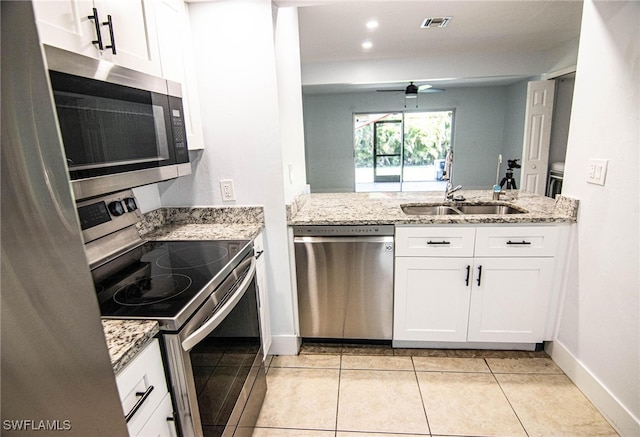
(203, 295)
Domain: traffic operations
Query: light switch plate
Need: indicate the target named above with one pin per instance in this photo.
(597, 171)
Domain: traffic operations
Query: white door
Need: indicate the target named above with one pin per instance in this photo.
(510, 299)
(431, 299)
(537, 135)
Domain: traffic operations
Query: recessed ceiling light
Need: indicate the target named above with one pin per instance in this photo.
(372, 24)
(367, 45)
(429, 23)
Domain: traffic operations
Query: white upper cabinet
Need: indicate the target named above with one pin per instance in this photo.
(129, 25)
(170, 23)
(176, 60)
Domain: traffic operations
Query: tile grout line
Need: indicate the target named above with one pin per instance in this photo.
(335, 428)
(424, 407)
(506, 397)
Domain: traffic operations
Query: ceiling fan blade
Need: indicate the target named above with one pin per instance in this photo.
(390, 91)
(431, 90)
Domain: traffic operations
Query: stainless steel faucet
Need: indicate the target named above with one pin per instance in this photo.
(448, 194)
(447, 176)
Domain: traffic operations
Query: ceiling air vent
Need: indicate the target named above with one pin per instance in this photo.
(435, 22)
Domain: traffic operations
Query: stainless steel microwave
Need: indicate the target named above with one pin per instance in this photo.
(120, 128)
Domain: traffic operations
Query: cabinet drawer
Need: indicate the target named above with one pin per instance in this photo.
(161, 423)
(516, 241)
(142, 378)
(434, 241)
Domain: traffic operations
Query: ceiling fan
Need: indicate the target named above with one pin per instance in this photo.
(412, 90)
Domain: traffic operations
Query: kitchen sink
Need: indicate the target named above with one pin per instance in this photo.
(429, 210)
(460, 209)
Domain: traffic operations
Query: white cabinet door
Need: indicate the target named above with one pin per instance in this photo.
(66, 24)
(169, 22)
(161, 423)
(176, 59)
(431, 299)
(134, 30)
(261, 283)
(510, 299)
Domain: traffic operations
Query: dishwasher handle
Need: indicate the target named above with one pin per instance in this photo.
(364, 239)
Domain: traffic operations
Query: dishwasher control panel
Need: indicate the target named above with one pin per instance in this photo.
(342, 231)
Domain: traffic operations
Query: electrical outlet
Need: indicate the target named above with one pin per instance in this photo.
(597, 171)
(226, 188)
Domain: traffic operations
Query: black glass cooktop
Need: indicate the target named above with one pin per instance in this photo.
(160, 278)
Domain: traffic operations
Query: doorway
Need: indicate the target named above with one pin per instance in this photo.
(401, 151)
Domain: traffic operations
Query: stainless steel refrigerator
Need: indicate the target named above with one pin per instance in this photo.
(56, 376)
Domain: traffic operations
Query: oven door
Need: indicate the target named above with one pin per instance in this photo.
(216, 362)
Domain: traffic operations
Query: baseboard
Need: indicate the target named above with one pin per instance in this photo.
(617, 414)
(463, 345)
(285, 345)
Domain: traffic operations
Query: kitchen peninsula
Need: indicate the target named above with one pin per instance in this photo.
(471, 273)
(385, 208)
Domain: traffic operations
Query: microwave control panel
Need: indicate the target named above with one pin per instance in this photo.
(179, 133)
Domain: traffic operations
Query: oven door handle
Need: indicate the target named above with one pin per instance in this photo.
(196, 336)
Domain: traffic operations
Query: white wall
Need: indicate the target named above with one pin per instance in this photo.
(239, 91)
(598, 342)
(290, 101)
(514, 126)
(481, 114)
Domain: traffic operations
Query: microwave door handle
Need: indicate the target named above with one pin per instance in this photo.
(196, 336)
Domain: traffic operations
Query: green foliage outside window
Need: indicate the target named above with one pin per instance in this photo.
(427, 136)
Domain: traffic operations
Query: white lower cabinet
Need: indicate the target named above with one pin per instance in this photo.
(431, 299)
(443, 297)
(509, 299)
(144, 395)
(158, 425)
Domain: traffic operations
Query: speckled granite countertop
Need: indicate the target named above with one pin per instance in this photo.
(384, 208)
(125, 338)
(219, 223)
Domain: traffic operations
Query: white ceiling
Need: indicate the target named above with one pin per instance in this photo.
(481, 36)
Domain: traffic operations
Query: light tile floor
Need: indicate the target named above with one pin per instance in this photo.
(347, 391)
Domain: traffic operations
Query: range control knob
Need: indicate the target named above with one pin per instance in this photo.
(131, 204)
(116, 208)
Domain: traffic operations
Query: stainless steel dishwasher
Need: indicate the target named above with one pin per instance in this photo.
(345, 281)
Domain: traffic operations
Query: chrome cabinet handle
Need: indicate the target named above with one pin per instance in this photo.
(443, 242)
(113, 39)
(96, 22)
(259, 253)
(479, 274)
(523, 242)
(143, 397)
(466, 281)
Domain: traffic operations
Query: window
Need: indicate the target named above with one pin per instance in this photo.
(401, 151)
